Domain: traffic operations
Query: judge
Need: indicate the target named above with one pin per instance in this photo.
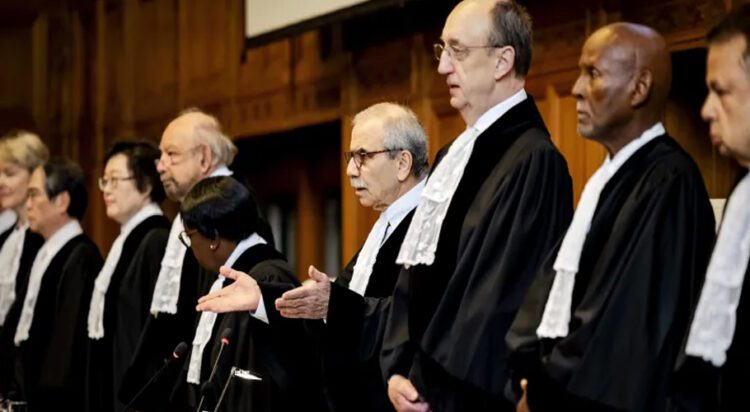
(497, 200)
(122, 293)
(221, 228)
(716, 364)
(603, 322)
(386, 166)
(20, 154)
(193, 147)
(51, 332)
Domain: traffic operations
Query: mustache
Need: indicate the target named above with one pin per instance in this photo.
(356, 183)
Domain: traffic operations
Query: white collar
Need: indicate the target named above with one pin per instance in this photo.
(67, 232)
(151, 209)
(497, 111)
(242, 246)
(8, 218)
(221, 170)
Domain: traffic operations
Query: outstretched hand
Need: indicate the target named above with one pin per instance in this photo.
(309, 301)
(242, 295)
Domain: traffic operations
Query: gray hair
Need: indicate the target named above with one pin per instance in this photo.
(511, 26)
(208, 131)
(402, 131)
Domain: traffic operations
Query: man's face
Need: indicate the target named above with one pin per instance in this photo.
(40, 210)
(603, 87)
(467, 64)
(727, 106)
(375, 182)
(180, 164)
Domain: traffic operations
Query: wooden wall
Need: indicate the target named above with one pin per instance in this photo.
(84, 73)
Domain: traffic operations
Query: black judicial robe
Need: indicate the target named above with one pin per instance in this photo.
(281, 352)
(702, 387)
(448, 320)
(354, 332)
(31, 244)
(160, 336)
(50, 363)
(639, 278)
(126, 308)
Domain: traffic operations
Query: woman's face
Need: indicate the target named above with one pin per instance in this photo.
(121, 196)
(207, 251)
(14, 184)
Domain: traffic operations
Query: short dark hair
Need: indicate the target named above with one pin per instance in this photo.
(142, 156)
(64, 175)
(511, 26)
(221, 205)
(736, 23)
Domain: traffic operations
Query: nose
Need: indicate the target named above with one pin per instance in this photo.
(577, 90)
(707, 111)
(160, 167)
(351, 169)
(445, 66)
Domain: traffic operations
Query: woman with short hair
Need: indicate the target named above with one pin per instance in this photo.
(132, 191)
(20, 153)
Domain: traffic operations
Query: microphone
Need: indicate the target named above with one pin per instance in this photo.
(208, 385)
(179, 352)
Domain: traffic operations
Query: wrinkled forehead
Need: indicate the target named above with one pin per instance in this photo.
(179, 134)
(367, 135)
(467, 24)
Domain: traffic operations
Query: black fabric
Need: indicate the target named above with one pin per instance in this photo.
(354, 332)
(639, 277)
(126, 308)
(280, 352)
(31, 244)
(49, 365)
(161, 334)
(512, 204)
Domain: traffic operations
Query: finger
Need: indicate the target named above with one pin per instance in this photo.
(230, 273)
(210, 296)
(524, 383)
(317, 275)
(296, 293)
(408, 390)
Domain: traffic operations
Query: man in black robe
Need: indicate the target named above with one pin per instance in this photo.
(193, 147)
(387, 164)
(51, 331)
(603, 322)
(496, 201)
(714, 369)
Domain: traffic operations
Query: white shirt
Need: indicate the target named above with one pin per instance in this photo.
(43, 258)
(420, 242)
(389, 219)
(208, 319)
(167, 288)
(101, 285)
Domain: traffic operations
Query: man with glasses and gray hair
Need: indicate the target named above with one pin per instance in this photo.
(498, 199)
(193, 147)
(386, 164)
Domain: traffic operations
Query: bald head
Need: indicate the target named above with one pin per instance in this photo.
(623, 85)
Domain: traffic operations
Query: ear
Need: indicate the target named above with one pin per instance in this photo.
(505, 58)
(61, 203)
(642, 88)
(206, 159)
(405, 162)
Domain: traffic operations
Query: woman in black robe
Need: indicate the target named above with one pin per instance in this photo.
(131, 190)
(221, 223)
(20, 154)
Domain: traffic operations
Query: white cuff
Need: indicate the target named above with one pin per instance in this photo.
(260, 312)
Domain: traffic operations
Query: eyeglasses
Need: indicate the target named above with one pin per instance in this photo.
(185, 237)
(456, 52)
(112, 182)
(171, 157)
(361, 155)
